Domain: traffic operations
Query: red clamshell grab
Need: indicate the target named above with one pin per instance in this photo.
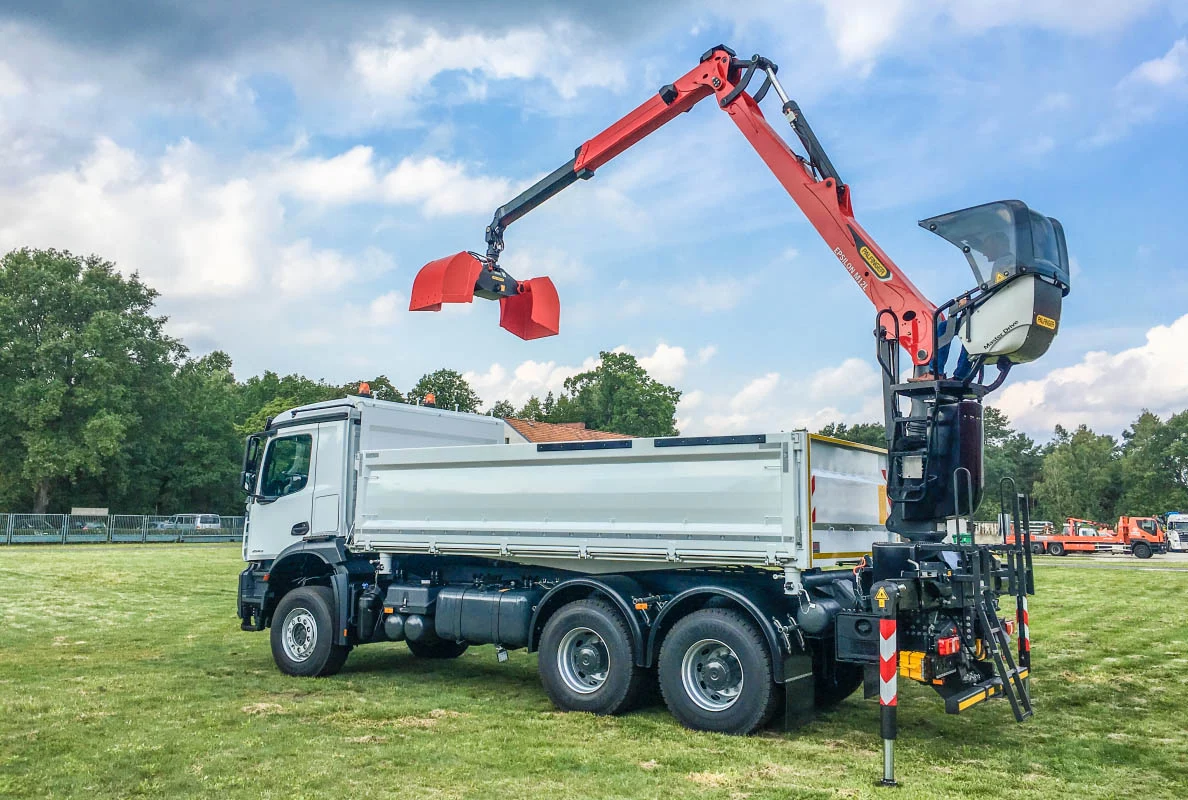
(534, 312)
(446, 280)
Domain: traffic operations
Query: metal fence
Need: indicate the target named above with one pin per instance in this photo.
(75, 529)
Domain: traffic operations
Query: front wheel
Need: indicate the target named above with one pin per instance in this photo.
(302, 635)
(716, 672)
(1141, 550)
(1055, 549)
(1037, 548)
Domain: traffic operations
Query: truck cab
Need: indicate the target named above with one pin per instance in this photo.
(1177, 531)
(1146, 530)
(299, 472)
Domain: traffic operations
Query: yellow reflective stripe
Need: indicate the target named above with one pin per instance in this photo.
(971, 700)
(816, 437)
(842, 555)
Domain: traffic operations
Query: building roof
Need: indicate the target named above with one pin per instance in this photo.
(559, 431)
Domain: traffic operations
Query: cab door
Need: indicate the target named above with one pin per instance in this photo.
(281, 509)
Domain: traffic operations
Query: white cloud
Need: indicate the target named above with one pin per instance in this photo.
(1143, 92)
(706, 353)
(1106, 390)
(184, 233)
(529, 378)
(754, 393)
(1170, 68)
(666, 364)
(772, 402)
(863, 31)
(691, 401)
(436, 186)
(443, 187)
(347, 177)
(11, 84)
(400, 65)
(854, 376)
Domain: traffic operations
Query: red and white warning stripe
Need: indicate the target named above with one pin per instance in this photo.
(1024, 626)
(888, 664)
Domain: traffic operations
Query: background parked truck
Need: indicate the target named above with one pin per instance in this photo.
(1141, 537)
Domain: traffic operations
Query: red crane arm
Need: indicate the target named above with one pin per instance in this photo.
(813, 184)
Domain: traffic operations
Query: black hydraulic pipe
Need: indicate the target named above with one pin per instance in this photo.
(527, 200)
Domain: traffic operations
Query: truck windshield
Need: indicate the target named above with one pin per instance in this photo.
(286, 468)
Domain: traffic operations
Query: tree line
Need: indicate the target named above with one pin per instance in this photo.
(1079, 473)
(100, 407)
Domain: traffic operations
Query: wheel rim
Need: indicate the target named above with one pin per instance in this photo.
(712, 675)
(300, 634)
(583, 660)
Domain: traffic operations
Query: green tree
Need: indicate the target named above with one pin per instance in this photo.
(1080, 477)
(199, 455)
(549, 408)
(381, 389)
(531, 410)
(618, 395)
(260, 390)
(503, 409)
(84, 366)
(1006, 453)
(871, 433)
(1153, 464)
(450, 391)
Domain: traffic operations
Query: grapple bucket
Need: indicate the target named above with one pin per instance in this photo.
(533, 312)
(446, 280)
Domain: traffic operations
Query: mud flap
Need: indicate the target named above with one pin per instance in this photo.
(800, 692)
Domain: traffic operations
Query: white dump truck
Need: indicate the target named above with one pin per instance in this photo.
(724, 567)
(736, 570)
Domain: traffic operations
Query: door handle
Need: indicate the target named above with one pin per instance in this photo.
(300, 529)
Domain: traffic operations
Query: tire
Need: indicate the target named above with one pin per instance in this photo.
(1141, 550)
(722, 643)
(1055, 549)
(831, 689)
(1037, 548)
(302, 634)
(587, 662)
(440, 649)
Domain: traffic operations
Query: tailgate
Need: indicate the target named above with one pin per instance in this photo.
(848, 500)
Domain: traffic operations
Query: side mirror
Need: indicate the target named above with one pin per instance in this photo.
(251, 463)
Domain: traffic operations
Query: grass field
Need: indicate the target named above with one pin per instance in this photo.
(123, 673)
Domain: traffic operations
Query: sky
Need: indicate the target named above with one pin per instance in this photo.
(280, 171)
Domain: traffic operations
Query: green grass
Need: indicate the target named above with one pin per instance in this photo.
(123, 673)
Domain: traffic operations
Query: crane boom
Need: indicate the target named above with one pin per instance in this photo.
(812, 183)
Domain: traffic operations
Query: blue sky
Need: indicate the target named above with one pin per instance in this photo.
(281, 175)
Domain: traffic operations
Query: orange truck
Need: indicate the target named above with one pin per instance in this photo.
(1141, 537)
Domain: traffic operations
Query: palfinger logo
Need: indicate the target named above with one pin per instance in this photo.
(876, 266)
(875, 263)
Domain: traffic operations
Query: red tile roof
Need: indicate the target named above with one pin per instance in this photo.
(559, 431)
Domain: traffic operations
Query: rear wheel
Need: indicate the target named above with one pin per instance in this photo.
(302, 635)
(439, 649)
(1055, 549)
(1141, 550)
(1037, 548)
(716, 673)
(586, 660)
